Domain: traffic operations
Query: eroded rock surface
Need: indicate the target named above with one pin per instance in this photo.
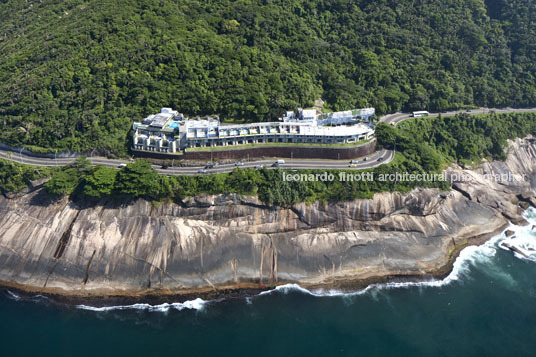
(214, 241)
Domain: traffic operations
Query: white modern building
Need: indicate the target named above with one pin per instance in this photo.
(169, 131)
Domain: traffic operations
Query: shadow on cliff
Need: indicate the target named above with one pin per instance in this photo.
(42, 198)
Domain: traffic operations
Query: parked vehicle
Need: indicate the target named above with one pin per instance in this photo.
(275, 164)
(380, 159)
(209, 166)
(164, 167)
(354, 161)
(280, 162)
(259, 167)
(202, 171)
(239, 164)
(352, 165)
(421, 113)
(366, 159)
(121, 166)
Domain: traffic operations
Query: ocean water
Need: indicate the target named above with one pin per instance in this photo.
(485, 307)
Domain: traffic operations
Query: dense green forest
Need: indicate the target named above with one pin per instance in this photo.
(75, 73)
(463, 138)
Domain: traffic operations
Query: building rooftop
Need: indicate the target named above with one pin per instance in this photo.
(201, 123)
(309, 114)
(310, 123)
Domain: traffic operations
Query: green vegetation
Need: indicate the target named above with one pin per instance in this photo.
(15, 177)
(66, 180)
(100, 182)
(138, 179)
(74, 73)
(135, 180)
(462, 138)
(423, 146)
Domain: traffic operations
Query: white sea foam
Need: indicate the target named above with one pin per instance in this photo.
(524, 239)
(13, 296)
(16, 297)
(469, 256)
(197, 304)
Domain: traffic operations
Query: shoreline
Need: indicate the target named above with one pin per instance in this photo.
(165, 253)
(241, 290)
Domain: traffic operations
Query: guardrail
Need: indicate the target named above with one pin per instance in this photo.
(21, 150)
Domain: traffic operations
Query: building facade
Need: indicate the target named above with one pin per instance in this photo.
(169, 131)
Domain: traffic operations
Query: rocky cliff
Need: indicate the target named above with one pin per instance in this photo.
(214, 242)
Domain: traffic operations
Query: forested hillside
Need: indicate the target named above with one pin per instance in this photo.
(74, 73)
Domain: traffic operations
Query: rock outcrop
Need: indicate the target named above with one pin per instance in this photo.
(228, 241)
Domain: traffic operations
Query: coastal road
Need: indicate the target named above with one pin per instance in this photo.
(399, 117)
(376, 159)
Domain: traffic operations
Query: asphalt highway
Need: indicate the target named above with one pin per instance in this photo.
(399, 117)
(376, 159)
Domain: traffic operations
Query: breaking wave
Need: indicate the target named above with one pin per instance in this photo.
(468, 257)
(13, 296)
(521, 243)
(523, 240)
(197, 304)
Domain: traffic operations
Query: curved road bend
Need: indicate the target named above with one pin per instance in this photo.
(376, 159)
(399, 117)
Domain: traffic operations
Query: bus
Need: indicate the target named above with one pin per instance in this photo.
(420, 114)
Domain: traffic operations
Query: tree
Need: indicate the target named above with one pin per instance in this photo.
(66, 180)
(138, 179)
(386, 135)
(249, 60)
(63, 182)
(100, 182)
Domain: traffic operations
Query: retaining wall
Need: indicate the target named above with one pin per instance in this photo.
(296, 152)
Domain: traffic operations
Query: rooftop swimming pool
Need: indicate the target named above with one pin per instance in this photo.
(173, 125)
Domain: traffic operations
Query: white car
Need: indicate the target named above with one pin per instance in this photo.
(121, 166)
(259, 167)
(239, 164)
(202, 171)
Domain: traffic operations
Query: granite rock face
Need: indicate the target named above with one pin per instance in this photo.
(228, 240)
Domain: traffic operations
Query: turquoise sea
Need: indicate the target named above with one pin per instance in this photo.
(485, 307)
